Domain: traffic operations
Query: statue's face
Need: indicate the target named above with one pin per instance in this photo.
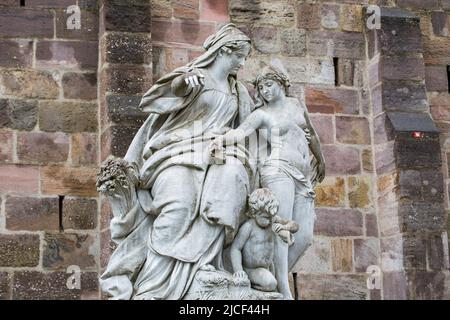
(270, 90)
(263, 219)
(235, 60)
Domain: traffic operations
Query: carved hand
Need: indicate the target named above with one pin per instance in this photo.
(194, 79)
(240, 278)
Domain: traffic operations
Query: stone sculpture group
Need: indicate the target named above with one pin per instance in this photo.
(214, 198)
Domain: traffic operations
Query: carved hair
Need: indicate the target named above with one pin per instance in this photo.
(274, 73)
(235, 46)
(262, 200)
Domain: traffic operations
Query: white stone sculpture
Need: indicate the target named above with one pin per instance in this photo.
(180, 194)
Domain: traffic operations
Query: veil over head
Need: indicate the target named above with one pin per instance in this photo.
(159, 98)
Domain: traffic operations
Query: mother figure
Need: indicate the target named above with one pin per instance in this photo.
(186, 207)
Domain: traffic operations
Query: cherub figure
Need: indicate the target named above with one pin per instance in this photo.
(252, 251)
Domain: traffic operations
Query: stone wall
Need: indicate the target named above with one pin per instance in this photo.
(48, 150)
(383, 203)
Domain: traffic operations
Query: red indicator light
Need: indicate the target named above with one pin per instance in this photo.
(417, 135)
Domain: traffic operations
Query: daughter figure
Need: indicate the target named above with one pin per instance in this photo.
(287, 171)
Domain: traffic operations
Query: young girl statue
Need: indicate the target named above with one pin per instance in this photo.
(287, 170)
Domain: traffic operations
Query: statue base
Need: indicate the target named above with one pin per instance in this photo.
(219, 285)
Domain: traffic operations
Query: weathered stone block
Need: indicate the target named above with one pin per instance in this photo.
(67, 54)
(418, 153)
(29, 84)
(418, 4)
(345, 287)
(214, 11)
(385, 158)
(126, 79)
(127, 48)
(89, 26)
(20, 22)
(367, 160)
(392, 254)
(16, 53)
(336, 44)
(352, 17)
(366, 253)
(84, 149)
(4, 286)
(79, 213)
(43, 147)
(330, 16)
(75, 181)
(440, 21)
(126, 17)
(398, 36)
(436, 50)
(394, 286)
(186, 9)
(371, 225)
(62, 250)
(359, 191)
(437, 258)
(188, 32)
(6, 146)
(161, 9)
(342, 255)
(383, 129)
(323, 125)
(34, 285)
(308, 16)
(19, 179)
(293, 42)
(332, 100)
(432, 185)
(419, 216)
(426, 285)
(123, 109)
(316, 258)
(18, 114)
(255, 11)
(116, 140)
(80, 85)
(265, 39)
(19, 250)
(352, 130)
(338, 223)
(330, 193)
(436, 78)
(345, 72)
(414, 251)
(341, 160)
(410, 185)
(49, 3)
(404, 96)
(34, 214)
(68, 116)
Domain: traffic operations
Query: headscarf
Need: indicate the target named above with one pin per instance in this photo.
(159, 99)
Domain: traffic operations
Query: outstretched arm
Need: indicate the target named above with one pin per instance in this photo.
(254, 121)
